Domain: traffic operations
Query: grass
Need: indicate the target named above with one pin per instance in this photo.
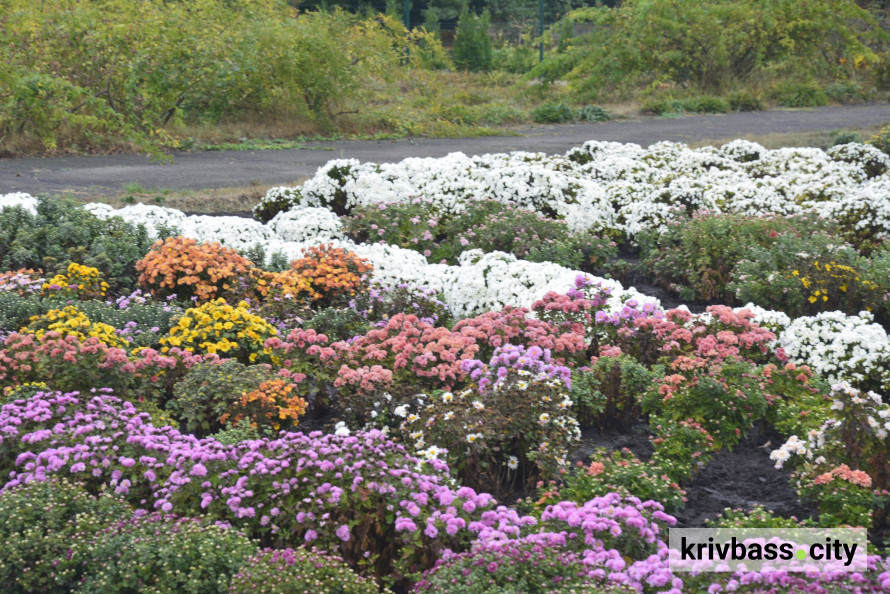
(823, 139)
(212, 201)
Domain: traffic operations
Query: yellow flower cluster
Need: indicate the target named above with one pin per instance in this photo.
(71, 321)
(217, 327)
(80, 282)
(829, 279)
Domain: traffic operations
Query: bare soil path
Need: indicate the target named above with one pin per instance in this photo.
(107, 174)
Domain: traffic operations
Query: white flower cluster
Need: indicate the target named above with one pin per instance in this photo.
(624, 187)
(479, 283)
(26, 201)
(307, 224)
(839, 347)
(876, 413)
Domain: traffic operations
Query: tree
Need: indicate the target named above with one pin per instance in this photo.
(472, 45)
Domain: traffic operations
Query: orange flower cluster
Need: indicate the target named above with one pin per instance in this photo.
(333, 272)
(186, 268)
(271, 403)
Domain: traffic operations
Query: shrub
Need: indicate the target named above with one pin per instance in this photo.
(593, 113)
(212, 388)
(515, 426)
(339, 324)
(190, 270)
(524, 565)
(38, 522)
(607, 394)
(271, 404)
(744, 101)
(21, 282)
(64, 363)
(756, 517)
(801, 95)
(695, 257)
(334, 273)
(382, 302)
(513, 326)
(610, 472)
(217, 327)
(161, 553)
(553, 113)
(61, 232)
(881, 140)
(472, 45)
(725, 398)
(274, 571)
(276, 200)
(804, 276)
(406, 356)
(681, 447)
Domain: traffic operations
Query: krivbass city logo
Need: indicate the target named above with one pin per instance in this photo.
(766, 549)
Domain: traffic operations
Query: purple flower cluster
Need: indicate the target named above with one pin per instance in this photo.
(628, 313)
(533, 361)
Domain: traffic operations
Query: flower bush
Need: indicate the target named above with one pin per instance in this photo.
(524, 565)
(183, 267)
(71, 321)
(217, 327)
(363, 495)
(514, 426)
(210, 389)
(272, 404)
(38, 523)
(334, 273)
(514, 326)
(23, 281)
(804, 276)
(407, 354)
(164, 553)
(272, 571)
(608, 393)
(80, 282)
(840, 348)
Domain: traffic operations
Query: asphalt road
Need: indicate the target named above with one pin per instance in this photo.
(103, 174)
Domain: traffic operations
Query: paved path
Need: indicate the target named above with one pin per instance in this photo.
(218, 169)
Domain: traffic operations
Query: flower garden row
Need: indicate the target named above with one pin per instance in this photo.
(153, 392)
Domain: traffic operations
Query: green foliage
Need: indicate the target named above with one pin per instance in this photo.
(517, 59)
(619, 471)
(696, 104)
(713, 45)
(209, 389)
(608, 393)
(95, 70)
(801, 95)
(301, 570)
(695, 257)
(881, 140)
(472, 45)
(158, 553)
(756, 517)
(744, 101)
(553, 113)
(593, 113)
(485, 224)
(37, 523)
(338, 324)
(63, 232)
(804, 275)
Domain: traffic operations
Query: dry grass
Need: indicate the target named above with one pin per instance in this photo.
(213, 201)
(822, 139)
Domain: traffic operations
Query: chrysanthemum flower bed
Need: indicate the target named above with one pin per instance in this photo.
(311, 403)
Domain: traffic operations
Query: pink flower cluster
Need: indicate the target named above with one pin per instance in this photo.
(407, 344)
(513, 326)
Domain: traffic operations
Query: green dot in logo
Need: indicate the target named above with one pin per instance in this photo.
(801, 554)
